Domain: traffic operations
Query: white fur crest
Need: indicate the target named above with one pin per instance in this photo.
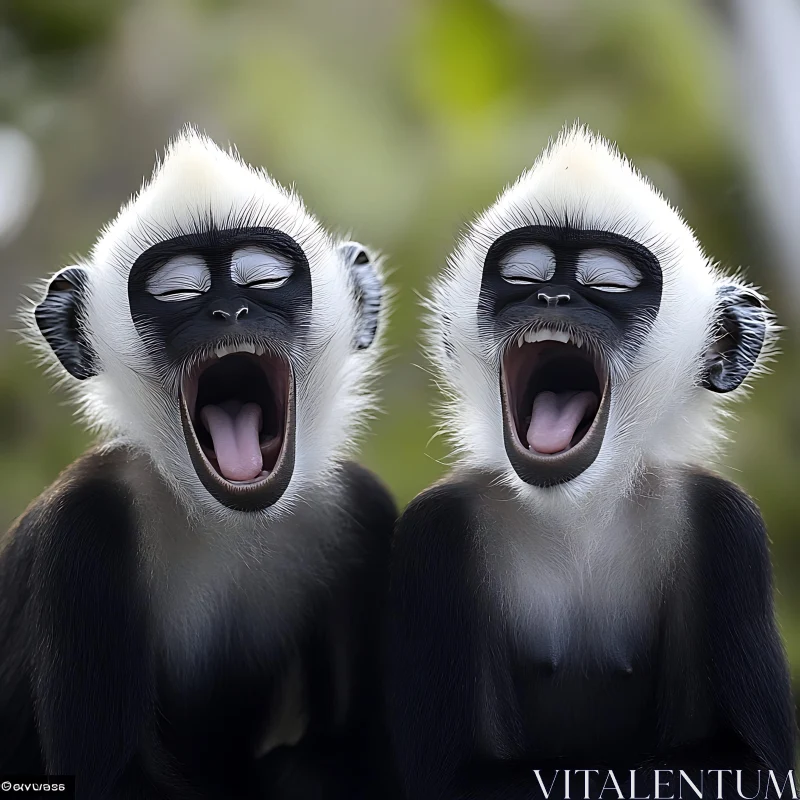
(195, 185)
(659, 413)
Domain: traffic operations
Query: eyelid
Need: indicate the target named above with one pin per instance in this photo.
(605, 287)
(533, 263)
(252, 265)
(175, 296)
(274, 283)
(607, 271)
(180, 278)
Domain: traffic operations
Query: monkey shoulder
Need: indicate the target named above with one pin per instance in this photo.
(362, 515)
(60, 529)
(735, 588)
(448, 504)
(75, 551)
(437, 534)
(724, 518)
(710, 492)
(730, 582)
(369, 501)
(92, 491)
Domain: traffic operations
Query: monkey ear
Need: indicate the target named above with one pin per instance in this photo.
(741, 326)
(60, 317)
(368, 291)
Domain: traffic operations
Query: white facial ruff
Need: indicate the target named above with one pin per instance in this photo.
(659, 413)
(196, 185)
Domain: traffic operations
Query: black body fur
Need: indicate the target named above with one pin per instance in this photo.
(480, 697)
(90, 683)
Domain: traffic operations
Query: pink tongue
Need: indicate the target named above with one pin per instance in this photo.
(234, 429)
(555, 418)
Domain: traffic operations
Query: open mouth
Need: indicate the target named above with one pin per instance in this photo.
(555, 399)
(237, 409)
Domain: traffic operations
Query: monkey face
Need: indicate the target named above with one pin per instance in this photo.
(563, 306)
(581, 334)
(227, 312)
(218, 328)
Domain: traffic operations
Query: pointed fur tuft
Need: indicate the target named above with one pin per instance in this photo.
(659, 411)
(195, 186)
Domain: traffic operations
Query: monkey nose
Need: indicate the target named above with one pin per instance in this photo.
(231, 313)
(554, 299)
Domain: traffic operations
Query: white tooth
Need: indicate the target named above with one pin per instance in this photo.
(247, 347)
(220, 351)
(549, 335)
(259, 350)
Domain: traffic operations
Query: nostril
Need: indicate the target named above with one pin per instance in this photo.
(553, 300)
(225, 316)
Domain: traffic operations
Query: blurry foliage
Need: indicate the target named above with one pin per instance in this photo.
(47, 27)
(402, 120)
(38, 436)
(462, 56)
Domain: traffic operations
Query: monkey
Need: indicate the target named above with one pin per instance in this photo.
(582, 590)
(193, 608)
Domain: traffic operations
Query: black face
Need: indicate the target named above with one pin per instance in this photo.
(184, 326)
(577, 298)
(242, 299)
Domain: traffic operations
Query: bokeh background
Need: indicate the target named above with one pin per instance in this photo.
(397, 120)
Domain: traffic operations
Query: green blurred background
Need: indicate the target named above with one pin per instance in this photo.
(397, 121)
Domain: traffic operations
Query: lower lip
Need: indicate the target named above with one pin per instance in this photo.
(252, 496)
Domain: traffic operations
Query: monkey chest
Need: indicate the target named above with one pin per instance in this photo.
(234, 668)
(586, 710)
(582, 655)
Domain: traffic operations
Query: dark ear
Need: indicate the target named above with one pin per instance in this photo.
(368, 289)
(741, 326)
(60, 317)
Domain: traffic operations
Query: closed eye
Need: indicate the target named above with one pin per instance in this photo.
(178, 294)
(520, 279)
(267, 283)
(255, 268)
(533, 263)
(180, 278)
(607, 271)
(609, 287)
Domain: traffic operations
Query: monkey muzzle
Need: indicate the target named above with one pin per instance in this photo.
(238, 416)
(555, 399)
